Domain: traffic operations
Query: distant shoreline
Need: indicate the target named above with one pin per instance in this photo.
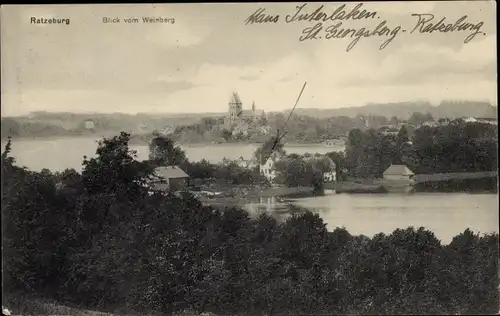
(142, 143)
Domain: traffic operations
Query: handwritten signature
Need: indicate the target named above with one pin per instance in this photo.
(424, 23)
(336, 32)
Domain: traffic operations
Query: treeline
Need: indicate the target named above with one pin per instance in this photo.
(306, 129)
(15, 128)
(11, 127)
(456, 147)
(230, 173)
(164, 152)
(99, 239)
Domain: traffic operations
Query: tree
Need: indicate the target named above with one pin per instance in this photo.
(402, 146)
(393, 120)
(369, 154)
(272, 146)
(164, 253)
(10, 127)
(418, 118)
(458, 147)
(208, 123)
(114, 169)
(162, 151)
(403, 135)
(7, 161)
(227, 134)
(263, 120)
(340, 164)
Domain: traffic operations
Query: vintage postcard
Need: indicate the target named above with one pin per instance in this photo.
(250, 159)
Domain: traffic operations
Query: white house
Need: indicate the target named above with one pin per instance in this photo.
(398, 172)
(268, 169)
(330, 175)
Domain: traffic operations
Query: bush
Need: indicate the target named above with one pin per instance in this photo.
(122, 248)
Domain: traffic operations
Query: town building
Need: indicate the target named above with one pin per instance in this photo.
(89, 124)
(492, 121)
(247, 164)
(430, 124)
(444, 121)
(168, 130)
(469, 120)
(263, 130)
(169, 178)
(391, 129)
(398, 172)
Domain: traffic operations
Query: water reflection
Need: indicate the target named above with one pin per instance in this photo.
(445, 214)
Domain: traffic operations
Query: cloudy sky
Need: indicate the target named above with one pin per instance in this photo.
(195, 64)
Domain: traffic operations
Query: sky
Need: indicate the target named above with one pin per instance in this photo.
(196, 63)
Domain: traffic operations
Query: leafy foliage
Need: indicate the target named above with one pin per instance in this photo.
(455, 147)
(162, 151)
(100, 241)
(272, 146)
(231, 172)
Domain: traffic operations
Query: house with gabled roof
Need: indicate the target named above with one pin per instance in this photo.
(169, 178)
(398, 172)
(268, 168)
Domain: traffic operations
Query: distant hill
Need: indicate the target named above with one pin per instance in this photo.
(43, 124)
(71, 124)
(403, 110)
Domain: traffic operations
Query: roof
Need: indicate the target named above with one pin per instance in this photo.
(273, 158)
(246, 113)
(235, 98)
(170, 172)
(398, 170)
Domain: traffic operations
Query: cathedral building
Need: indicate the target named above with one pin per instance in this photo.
(236, 113)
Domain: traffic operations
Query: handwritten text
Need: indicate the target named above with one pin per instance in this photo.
(329, 25)
(425, 25)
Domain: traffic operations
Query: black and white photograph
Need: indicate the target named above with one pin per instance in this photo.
(250, 159)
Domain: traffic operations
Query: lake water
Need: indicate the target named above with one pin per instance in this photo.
(63, 153)
(445, 214)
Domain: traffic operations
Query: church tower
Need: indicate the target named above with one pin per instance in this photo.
(235, 108)
(253, 109)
